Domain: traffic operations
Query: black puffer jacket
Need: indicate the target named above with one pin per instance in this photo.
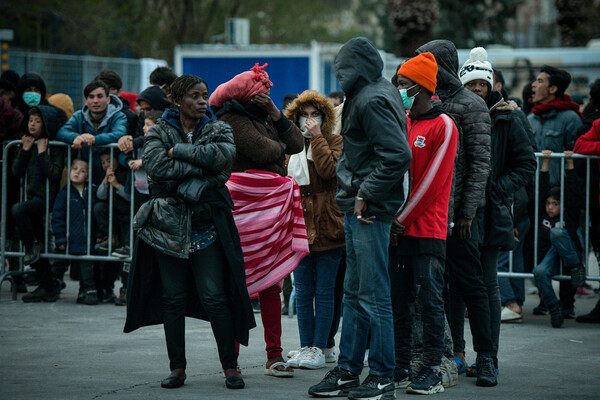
(165, 221)
(469, 111)
(375, 152)
(513, 165)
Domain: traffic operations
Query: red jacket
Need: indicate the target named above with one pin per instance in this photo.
(589, 143)
(433, 139)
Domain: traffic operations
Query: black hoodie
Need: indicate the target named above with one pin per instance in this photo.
(375, 152)
(48, 165)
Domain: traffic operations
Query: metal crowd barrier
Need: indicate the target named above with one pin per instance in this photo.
(535, 223)
(47, 252)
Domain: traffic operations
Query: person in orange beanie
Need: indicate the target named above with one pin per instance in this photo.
(419, 233)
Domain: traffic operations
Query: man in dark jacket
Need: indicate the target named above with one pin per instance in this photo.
(114, 82)
(512, 166)
(151, 98)
(375, 155)
(554, 118)
(471, 170)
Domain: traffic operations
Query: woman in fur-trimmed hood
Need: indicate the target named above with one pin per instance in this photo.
(314, 170)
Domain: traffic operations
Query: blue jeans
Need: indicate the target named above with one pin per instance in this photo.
(512, 290)
(562, 248)
(367, 302)
(418, 280)
(314, 279)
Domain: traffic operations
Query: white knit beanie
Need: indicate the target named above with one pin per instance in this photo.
(477, 67)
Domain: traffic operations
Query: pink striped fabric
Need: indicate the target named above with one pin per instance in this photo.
(268, 215)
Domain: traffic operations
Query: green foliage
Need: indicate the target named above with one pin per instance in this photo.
(151, 28)
(478, 23)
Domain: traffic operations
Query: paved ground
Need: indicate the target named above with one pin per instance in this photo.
(64, 350)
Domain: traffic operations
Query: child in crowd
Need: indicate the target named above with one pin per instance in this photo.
(558, 240)
(140, 177)
(42, 167)
(141, 194)
(72, 235)
(118, 177)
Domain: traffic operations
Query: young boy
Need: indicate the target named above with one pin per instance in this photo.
(141, 194)
(77, 227)
(558, 241)
(43, 168)
(417, 262)
(141, 179)
(119, 178)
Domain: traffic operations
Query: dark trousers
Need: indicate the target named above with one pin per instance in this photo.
(28, 217)
(87, 280)
(43, 274)
(203, 272)
(337, 302)
(121, 218)
(465, 274)
(489, 263)
(417, 280)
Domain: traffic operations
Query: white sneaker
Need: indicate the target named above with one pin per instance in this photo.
(312, 359)
(509, 315)
(294, 362)
(330, 355)
(292, 353)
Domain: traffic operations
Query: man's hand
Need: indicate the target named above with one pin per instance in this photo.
(27, 142)
(125, 144)
(89, 139)
(42, 145)
(397, 228)
(264, 101)
(135, 164)
(170, 153)
(83, 140)
(360, 206)
(463, 227)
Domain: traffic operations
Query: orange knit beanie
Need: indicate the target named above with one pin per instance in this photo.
(422, 70)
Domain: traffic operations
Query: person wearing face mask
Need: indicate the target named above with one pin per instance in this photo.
(314, 278)
(419, 232)
(31, 91)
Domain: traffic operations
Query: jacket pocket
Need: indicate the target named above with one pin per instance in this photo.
(330, 219)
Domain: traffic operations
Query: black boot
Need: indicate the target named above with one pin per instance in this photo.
(592, 317)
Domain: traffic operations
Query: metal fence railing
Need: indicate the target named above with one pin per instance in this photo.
(91, 255)
(48, 251)
(536, 222)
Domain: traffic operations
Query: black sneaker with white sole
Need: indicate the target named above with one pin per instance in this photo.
(427, 382)
(401, 378)
(374, 388)
(337, 383)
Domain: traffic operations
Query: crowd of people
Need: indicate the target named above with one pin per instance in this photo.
(394, 204)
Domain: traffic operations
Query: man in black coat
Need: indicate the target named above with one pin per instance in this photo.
(375, 155)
